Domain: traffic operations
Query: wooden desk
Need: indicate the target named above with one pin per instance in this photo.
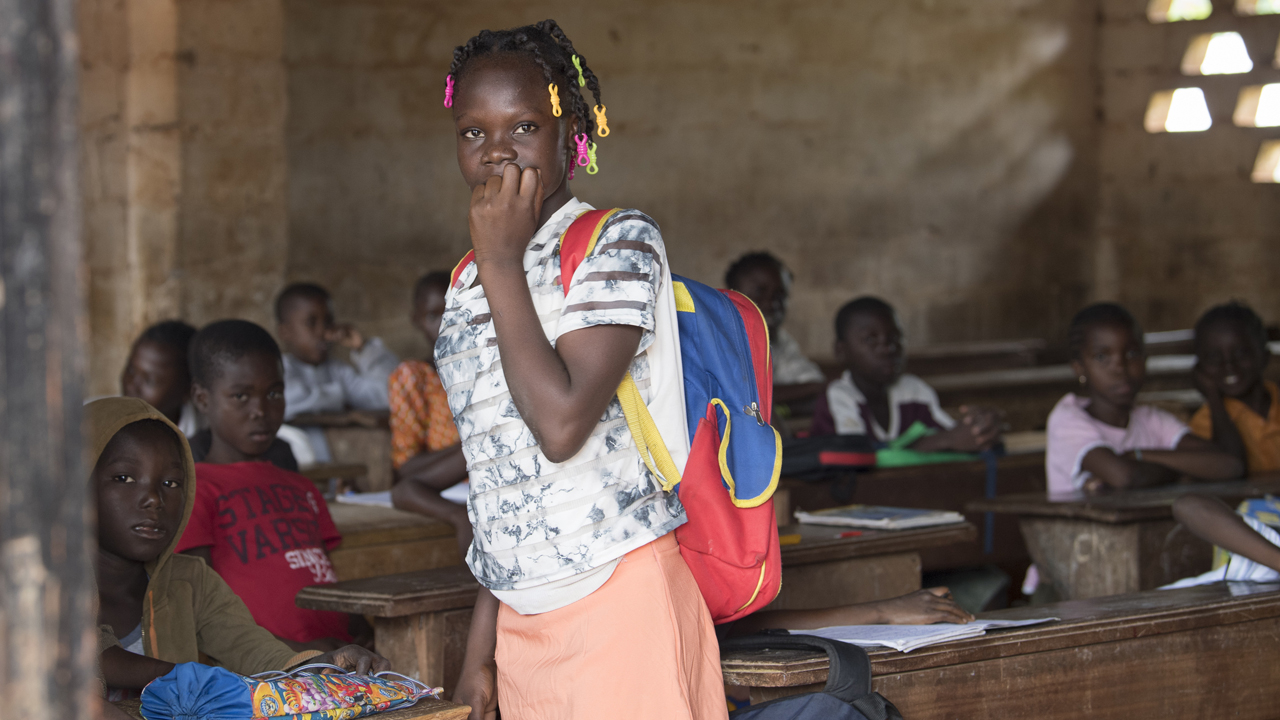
(1110, 544)
(384, 541)
(824, 570)
(425, 709)
(420, 619)
(1196, 653)
(949, 486)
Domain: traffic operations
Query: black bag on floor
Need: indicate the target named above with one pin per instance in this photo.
(846, 696)
(821, 458)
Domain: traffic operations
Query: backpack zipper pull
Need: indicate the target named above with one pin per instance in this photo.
(754, 411)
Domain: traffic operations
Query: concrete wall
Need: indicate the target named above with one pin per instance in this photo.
(942, 154)
(182, 118)
(1180, 225)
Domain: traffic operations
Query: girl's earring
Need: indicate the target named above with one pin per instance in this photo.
(1083, 380)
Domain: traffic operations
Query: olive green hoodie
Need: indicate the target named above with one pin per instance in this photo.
(188, 609)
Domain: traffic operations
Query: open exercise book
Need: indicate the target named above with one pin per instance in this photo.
(905, 638)
(879, 517)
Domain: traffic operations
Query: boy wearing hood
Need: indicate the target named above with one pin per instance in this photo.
(158, 608)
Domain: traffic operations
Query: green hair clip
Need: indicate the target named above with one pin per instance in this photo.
(582, 79)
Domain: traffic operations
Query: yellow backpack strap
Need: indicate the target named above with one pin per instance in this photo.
(644, 432)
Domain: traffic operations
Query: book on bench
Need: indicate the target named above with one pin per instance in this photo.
(879, 517)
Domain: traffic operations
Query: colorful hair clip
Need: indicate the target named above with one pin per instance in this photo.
(555, 99)
(448, 91)
(602, 122)
(570, 171)
(582, 79)
(592, 169)
(584, 158)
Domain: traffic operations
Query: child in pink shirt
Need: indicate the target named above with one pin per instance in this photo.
(1100, 438)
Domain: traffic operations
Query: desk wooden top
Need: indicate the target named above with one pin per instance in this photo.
(1119, 507)
(446, 588)
(363, 525)
(822, 543)
(320, 472)
(425, 709)
(1083, 623)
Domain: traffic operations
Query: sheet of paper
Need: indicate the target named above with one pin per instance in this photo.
(998, 624)
(380, 499)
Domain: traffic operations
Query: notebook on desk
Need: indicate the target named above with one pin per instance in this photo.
(879, 517)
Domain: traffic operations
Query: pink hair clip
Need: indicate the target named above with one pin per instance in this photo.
(448, 91)
(584, 157)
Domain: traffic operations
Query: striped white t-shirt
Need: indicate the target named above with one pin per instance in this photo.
(541, 524)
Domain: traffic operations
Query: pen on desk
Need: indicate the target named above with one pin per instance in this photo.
(849, 534)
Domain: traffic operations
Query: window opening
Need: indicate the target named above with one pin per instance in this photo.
(1220, 53)
(1258, 106)
(1266, 169)
(1181, 110)
(1165, 11)
(1258, 7)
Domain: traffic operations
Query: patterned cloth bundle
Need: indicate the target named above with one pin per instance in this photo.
(192, 690)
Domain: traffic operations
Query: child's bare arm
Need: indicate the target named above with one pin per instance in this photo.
(1210, 518)
(1125, 472)
(477, 683)
(561, 392)
(977, 429)
(130, 671)
(1198, 458)
(922, 607)
(439, 470)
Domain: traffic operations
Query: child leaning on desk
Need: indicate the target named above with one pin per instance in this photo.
(875, 397)
(157, 608)
(1241, 412)
(1101, 439)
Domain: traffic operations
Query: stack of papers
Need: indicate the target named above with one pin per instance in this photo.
(879, 517)
(905, 638)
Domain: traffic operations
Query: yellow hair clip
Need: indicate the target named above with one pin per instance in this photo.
(555, 99)
(602, 122)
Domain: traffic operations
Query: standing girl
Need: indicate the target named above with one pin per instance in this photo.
(1100, 438)
(587, 608)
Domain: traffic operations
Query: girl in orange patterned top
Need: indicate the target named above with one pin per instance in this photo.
(425, 451)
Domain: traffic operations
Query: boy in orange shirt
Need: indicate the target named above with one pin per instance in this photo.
(1241, 414)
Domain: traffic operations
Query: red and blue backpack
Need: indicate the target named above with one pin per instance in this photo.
(730, 541)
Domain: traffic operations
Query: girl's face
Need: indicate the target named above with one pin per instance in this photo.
(502, 112)
(1113, 364)
(1231, 358)
(139, 481)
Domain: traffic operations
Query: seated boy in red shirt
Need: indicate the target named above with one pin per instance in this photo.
(264, 529)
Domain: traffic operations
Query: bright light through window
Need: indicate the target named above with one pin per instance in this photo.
(1221, 53)
(1181, 110)
(1258, 7)
(1163, 11)
(1258, 106)
(1267, 167)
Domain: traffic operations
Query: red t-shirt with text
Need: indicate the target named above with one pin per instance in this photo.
(268, 530)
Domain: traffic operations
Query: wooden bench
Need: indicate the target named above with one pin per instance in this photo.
(425, 709)
(948, 486)
(1201, 652)
(384, 541)
(420, 619)
(1110, 544)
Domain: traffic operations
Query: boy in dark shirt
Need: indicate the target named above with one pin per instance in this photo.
(264, 529)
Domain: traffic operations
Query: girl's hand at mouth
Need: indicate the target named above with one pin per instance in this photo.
(504, 215)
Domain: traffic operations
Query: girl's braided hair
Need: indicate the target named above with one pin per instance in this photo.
(551, 49)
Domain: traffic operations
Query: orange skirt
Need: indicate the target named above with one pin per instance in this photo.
(642, 646)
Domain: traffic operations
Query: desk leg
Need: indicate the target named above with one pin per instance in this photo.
(844, 582)
(429, 646)
(1082, 558)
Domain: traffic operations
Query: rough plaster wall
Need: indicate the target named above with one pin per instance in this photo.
(182, 138)
(1181, 227)
(233, 234)
(941, 154)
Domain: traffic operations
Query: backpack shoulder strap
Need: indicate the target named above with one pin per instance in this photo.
(466, 260)
(579, 240)
(849, 670)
